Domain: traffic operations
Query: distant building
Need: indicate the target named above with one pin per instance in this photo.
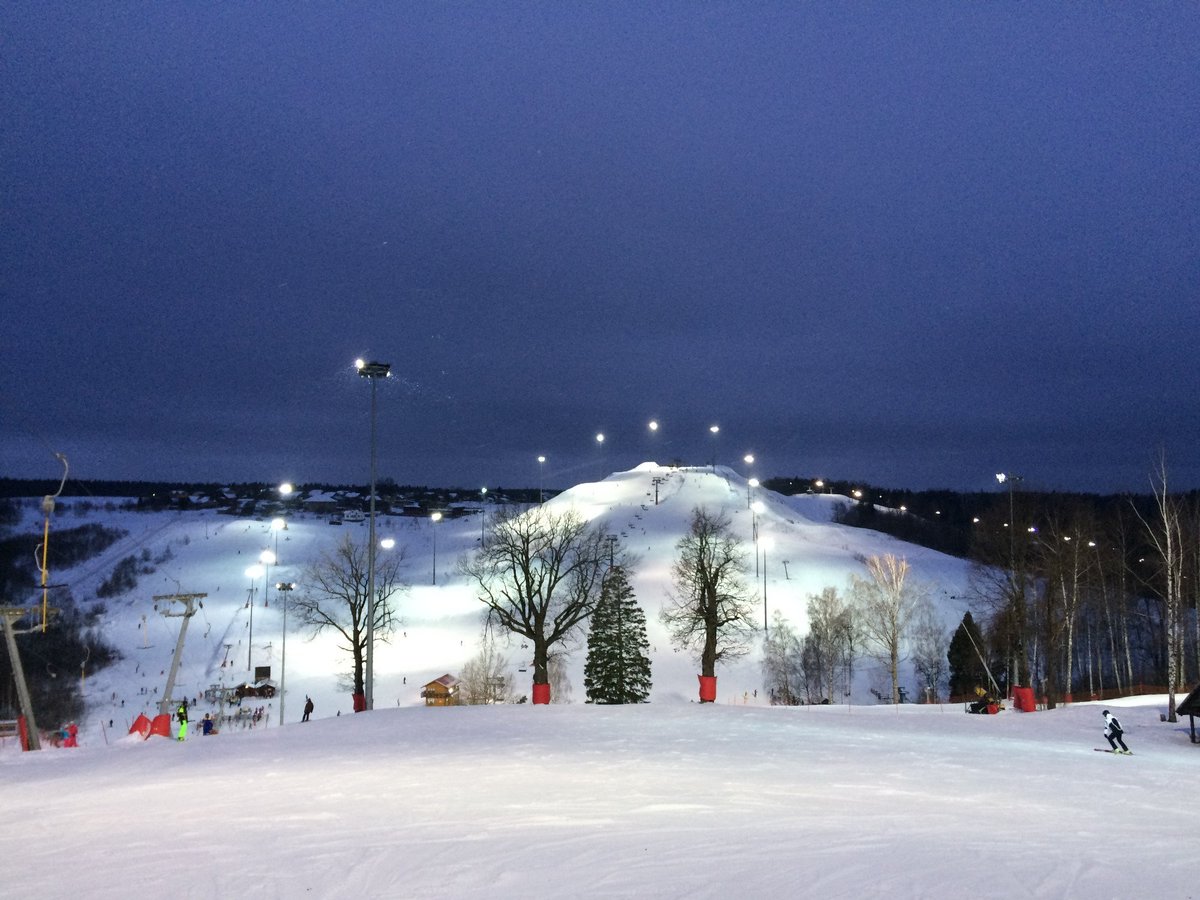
(441, 691)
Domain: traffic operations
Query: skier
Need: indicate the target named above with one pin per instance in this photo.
(1113, 732)
(181, 714)
(308, 707)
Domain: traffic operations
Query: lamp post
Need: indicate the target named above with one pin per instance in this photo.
(284, 589)
(253, 573)
(766, 543)
(714, 430)
(541, 465)
(756, 509)
(373, 371)
(482, 516)
(435, 518)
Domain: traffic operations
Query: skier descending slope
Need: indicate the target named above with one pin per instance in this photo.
(1113, 732)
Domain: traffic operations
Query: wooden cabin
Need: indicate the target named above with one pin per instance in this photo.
(441, 691)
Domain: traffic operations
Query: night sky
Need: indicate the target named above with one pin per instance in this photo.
(910, 243)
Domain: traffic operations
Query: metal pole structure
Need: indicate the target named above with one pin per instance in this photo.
(434, 518)
(188, 600)
(482, 517)
(10, 614)
(284, 590)
(370, 685)
(374, 371)
(250, 640)
(766, 629)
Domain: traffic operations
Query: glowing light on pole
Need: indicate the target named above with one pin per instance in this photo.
(714, 430)
(284, 590)
(253, 573)
(372, 371)
(541, 468)
(435, 518)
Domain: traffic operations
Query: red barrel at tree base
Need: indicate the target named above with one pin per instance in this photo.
(1023, 699)
(708, 688)
(541, 694)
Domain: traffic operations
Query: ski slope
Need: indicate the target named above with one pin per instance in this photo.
(669, 799)
(799, 552)
(665, 800)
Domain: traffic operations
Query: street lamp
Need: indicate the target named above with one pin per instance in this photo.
(373, 371)
(435, 518)
(714, 430)
(284, 589)
(766, 543)
(541, 468)
(253, 573)
(482, 515)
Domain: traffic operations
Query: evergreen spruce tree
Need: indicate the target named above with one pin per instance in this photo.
(617, 669)
(966, 670)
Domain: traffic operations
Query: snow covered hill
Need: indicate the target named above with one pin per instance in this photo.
(802, 551)
(671, 799)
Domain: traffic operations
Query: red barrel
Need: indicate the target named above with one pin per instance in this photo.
(360, 702)
(708, 688)
(541, 693)
(1023, 699)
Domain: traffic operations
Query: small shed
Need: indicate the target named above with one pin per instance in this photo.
(441, 691)
(1190, 707)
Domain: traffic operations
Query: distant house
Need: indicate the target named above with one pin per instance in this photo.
(441, 691)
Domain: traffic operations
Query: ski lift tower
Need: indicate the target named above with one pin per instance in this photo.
(9, 615)
(189, 610)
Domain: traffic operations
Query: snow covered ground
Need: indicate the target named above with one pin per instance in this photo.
(670, 799)
(663, 800)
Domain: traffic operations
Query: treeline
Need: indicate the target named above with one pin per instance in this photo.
(1086, 595)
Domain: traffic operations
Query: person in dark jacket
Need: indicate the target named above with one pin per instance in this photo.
(308, 708)
(1113, 731)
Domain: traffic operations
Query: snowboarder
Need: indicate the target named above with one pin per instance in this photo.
(308, 708)
(1113, 731)
(181, 714)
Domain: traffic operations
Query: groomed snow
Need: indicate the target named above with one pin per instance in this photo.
(662, 800)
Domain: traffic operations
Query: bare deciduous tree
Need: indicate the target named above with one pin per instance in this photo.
(782, 664)
(886, 600)
(1166, 535)
(930, 648)
(485, 678)
(539, 575)
(335, 597)
(710, 609)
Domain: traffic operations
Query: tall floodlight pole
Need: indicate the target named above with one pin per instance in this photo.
(541, 481)
(714, 430)
(284, 590)
(434, 518)
(374, 371)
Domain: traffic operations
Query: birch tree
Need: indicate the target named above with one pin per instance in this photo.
(887, 599)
